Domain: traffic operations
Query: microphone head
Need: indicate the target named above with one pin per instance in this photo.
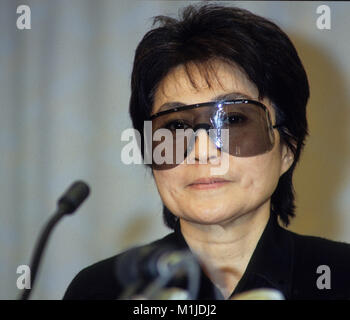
(144, 264)
(73, 197)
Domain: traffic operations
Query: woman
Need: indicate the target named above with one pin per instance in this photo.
(222, 68)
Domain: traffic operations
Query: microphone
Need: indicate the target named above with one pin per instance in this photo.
(67, 204)
(166, 294)
(73, 197)
(259, 294)
(150, 268)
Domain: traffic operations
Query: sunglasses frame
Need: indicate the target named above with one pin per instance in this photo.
(216, 103)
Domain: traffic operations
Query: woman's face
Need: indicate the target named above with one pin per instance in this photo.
(249, 182)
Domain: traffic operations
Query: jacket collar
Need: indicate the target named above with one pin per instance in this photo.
(270, 265)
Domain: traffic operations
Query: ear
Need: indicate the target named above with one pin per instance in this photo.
(287, 158)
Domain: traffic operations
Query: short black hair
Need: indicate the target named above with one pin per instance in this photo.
(254, 44)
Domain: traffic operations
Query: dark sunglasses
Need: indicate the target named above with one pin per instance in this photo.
(250, 131)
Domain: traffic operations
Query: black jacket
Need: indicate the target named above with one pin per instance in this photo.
(282, 260)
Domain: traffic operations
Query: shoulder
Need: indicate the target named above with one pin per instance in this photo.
(99, 280)
(96, 281)
(312, 248)
(321, 268)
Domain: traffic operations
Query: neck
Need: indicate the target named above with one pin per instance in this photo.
(225, 249)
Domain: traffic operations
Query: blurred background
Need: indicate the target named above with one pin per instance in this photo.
(64, 93)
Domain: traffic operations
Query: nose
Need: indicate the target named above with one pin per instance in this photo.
(204, 149)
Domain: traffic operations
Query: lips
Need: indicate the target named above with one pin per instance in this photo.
(208, 183)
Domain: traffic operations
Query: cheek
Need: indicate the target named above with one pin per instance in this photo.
(260, 173)
(167, 181)
(251, 176)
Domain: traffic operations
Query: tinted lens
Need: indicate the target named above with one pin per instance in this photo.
(248, 124)
(249, 127)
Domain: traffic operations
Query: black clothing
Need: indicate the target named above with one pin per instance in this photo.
(282, 260)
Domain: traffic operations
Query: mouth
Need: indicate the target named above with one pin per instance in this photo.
(208, 183)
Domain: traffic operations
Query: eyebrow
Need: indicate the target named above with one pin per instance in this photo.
(226, 96)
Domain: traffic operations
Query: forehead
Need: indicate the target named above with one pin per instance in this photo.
(202, 81)
(197, 83)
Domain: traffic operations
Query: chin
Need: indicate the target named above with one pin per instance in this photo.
(208, 217)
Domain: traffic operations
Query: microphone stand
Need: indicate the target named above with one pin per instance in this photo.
(40, 246)
(67, 204)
